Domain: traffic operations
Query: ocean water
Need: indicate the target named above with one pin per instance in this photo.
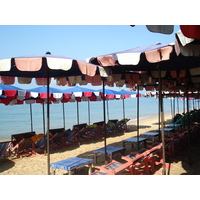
(16, 119)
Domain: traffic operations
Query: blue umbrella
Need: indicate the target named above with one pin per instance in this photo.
(109, 92)
(43, 89)
(77, 89)
(9, 87)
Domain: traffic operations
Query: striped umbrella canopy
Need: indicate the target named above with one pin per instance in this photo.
(11, 93)
(43, 68)
(190, 31)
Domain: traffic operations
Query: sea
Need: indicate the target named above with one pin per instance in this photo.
(17, 118)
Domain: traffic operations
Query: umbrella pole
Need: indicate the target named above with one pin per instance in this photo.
(63, 115)
(88, 110)
(79, 143)
(171, 108)
(123, 108)
(162, 122)
(48, 125)
(107, 110)
(104, 117)
(138, 117)
(188, 125)
(31, 117)
(45, 143)
(177, 104)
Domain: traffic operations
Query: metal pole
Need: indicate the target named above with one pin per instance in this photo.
(88, 110)
(104, 118)
(48, 124)
(79, 143)
(44, 131)
(138, 117)
(188, 123)
(63, 115)
(171, 108)
(123, 108)
(107, 109)
(31, 116)
(177, 104)
(162, 122)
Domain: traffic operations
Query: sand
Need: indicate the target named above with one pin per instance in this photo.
(37, 165)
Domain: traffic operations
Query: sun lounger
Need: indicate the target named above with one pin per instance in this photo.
(93, 132)
(56, 130)
(16, 138)
(113, 168)
(72, 137)
(97, 172)
(79, 126)
(139, 162)
(26, 145)
(122, 125)
(114, 121)
(58, 139)
(39, 145)
(5, 147)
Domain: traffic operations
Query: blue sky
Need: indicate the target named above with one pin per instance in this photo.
(76, 41)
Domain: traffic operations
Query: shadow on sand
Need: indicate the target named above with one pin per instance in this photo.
(6, 164)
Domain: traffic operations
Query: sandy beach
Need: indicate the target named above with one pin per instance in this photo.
(37, 165)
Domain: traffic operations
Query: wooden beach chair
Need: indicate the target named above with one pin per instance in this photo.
(113, 168)
(122, 125)
(16, 138)
(25, 146)
(58, 139)
(72, 137)
(93, 132)
(39, 145)
(139, 162)
(5, 147)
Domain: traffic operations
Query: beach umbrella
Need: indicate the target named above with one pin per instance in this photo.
(147, 59)
(42, 68)
(190, 31)
(12, 92)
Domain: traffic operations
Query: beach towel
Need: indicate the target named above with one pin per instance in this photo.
(35, 138)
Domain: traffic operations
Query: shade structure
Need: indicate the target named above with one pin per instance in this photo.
(140, 65)
(12, 92)
(42, 92)
(108, 93)
(79, 91)
(167, 64)
(42, 68)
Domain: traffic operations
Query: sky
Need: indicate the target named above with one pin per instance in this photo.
(75, 41)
